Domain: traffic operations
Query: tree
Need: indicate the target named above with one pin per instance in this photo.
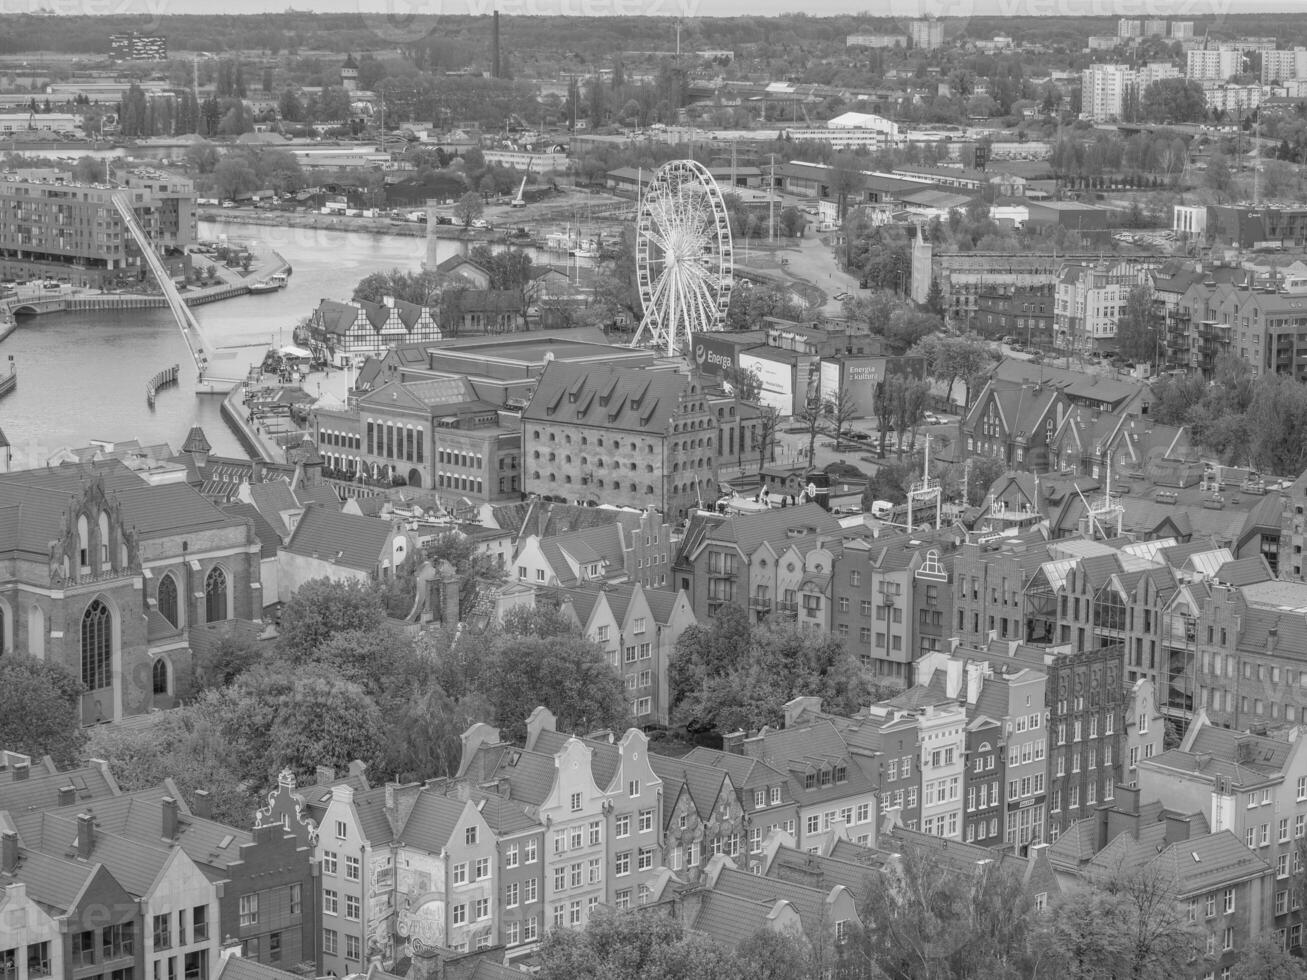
(813, 417)
(783, 662)
(322, 608)
(967, 358)
(469, 208)
(1265, 958)
(769, 421)
(421, 287)
(792, 222)
(840, 411)
(476, 569)
(1219, 176)
(182, 745)
(1277, 420)
(220, 664)
(721, 644)
(567, 673)
(1136, 329)
(1173, 100)
(845, 179)
(641, 944)
(40, 709)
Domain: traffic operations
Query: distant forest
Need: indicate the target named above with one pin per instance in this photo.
(584, 38)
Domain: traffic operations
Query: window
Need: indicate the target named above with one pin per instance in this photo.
(351, 867)
(460, 873)
(622, 826)
(330, 901)
(342, 830)
(119, 940)
(530, 930)
(215, 595)
(84, 948)
(460, 914)
(529, 852)
(1228, 904)
(560, 879)
(512, 933)
(775, 795)
(38, 960)
(97, 646)
(329, 862)
(645, 860)
(482, 908)
(576, 802)
(167, 599)
(529, 891)
(622, 866)
(249, 908)
(596, 832)
(510, 856)
(162, 931)
(470, 835)
(482, 869)
(633, 787)
(329, 942)
(646, 821)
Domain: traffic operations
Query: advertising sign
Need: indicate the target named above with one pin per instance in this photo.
(777, 380)
(713, 355)
(861, 376)
(830, 381)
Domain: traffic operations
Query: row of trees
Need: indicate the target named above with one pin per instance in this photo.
(924, 920)
(1259, 422)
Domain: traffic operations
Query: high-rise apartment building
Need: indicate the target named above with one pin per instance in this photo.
(927, 34)
(1129, 27)
(1280, 66)
(1212, 64)
(138, 47)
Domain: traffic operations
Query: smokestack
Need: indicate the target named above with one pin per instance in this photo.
(85, 835)
(67, 795)
(494, 47)
(203, 807)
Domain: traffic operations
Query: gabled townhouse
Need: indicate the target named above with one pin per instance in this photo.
(329, 543)
(80, 923)
(1091, 442)
(355, 852)
(830, 782)
(1254, 786)
(941, 762)
(891, 735)
(823, 871)
(764, 792)
(984, 782)
(635, 795)
(827, 915)
(174, 903)
(753, 560)
(560, 790)
(447, 893)
(635, 546)
(702, 816)
(351, 331)
(1014, 423)
(638, 629)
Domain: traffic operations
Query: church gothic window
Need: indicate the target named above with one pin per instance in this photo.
(215, 595)
(97, 646)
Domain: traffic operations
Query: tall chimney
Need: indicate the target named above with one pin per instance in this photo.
(21, 770)
(9, 852)
(494, 48)
(169, 808)
(85, 835)
(67, 795)
(203, 807)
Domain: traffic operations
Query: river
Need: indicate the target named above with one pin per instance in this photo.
(81, 376)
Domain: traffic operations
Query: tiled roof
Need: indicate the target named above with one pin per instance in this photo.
(40, 790)
(1244, 571)
(530, 775)
(431, 822)
(745, 771)
(731, 919)
(1200, 865)
(504, 816)
(374, 823)
(607, 397)
(135, 865)
(824, 872)
(749, 531)
(810, 902)
(603, 543)
(346, 539)
(240, 968)
(269, 539)
(54, 881)
(661, 604)
(704, 784)
(604, 756)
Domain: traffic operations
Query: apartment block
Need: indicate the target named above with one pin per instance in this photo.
(927, 34)
(1212, 64)
(1090, 299)
(1281, 66)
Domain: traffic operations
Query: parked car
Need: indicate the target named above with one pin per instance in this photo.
(932, 419)
(841, 297)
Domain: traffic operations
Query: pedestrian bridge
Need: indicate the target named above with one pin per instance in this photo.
(28, 303)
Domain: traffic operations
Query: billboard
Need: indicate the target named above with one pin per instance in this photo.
(714, 356)
(830, 381)
(777, 380)
(861, 375)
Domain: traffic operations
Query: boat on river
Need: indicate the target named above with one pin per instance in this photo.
(263, 286)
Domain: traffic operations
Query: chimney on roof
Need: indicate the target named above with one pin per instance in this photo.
(22, 770)
(1177, 828)
(169, 809)
(67, 795)
(9, 852)
(85, 835)
(733, 742)
(326, 775)
(400, 799)
(358, 767)
(795, 707)
(203, 805)
(1272, 639)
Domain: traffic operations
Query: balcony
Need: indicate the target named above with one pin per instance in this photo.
(790, 608)
(760, 602)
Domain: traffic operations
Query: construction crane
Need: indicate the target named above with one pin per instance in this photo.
(520, 201)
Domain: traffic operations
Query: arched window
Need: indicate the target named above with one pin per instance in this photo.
(104, 538)
(4, 642)
(167, 597)
(159, 675)
(83, 542)
(215, 595)
(97, 646)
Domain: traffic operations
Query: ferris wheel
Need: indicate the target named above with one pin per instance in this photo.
(682, 257)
